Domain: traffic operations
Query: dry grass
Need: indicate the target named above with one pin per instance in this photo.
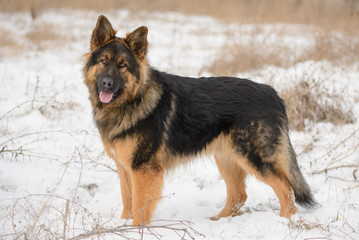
(49, 216)
(9, 44)
(41, 37)
(330, 13)
(310, 100)
(328, 46)
(239, 58)
(8, 39)
(329, 230)
(43, 33)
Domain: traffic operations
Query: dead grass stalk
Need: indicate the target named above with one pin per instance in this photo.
(310, 100)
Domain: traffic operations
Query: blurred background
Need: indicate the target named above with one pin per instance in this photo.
(333, 14)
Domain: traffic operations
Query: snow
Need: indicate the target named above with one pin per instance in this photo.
(53, 169)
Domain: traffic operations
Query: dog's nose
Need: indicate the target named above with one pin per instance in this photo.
(107, 82)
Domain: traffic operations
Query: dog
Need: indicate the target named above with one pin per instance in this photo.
(151, 121)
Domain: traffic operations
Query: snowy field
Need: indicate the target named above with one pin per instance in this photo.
(57, 183)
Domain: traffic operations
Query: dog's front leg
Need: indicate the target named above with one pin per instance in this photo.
(147, 186)
(126, 192)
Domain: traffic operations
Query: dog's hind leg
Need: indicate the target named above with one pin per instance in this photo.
(272, 174)
(234, 177)
(284, 192)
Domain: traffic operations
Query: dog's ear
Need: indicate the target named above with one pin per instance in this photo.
(137, 41)
(102, 33)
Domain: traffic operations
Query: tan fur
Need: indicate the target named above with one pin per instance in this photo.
(126, 191)
(234, 167)
(234, 177)
(121, 150)
(150, 98)
(141, 190)
(147, 191)
(278, 182)
(89, 79)
(282, 155)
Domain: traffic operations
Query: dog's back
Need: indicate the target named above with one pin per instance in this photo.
(248, 119)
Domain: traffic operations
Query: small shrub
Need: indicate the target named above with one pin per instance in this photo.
(238, 58)
(44, 36)
(311, 100)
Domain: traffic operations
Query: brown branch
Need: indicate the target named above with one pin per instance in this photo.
(336, 167)
(124, 229)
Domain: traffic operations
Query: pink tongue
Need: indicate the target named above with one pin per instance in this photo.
(105, 97)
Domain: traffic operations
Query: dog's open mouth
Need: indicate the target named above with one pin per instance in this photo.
(106, 97)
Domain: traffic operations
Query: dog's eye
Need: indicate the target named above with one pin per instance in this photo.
(122, 65)
(104, 61)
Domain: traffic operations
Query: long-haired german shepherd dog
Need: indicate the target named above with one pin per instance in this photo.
(150, 121)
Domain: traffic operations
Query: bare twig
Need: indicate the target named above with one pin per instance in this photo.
(65, 219)
(335, 168)
(302, 224)
(341, 155)
(177, 226)
(35, 91)
(34, 228)
(18, 106)
(34, 133)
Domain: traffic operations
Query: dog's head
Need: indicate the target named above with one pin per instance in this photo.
(116, 68)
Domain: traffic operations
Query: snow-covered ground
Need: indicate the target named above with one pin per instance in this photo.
(56, 181)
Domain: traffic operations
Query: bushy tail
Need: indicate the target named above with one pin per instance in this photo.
(302, 192)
